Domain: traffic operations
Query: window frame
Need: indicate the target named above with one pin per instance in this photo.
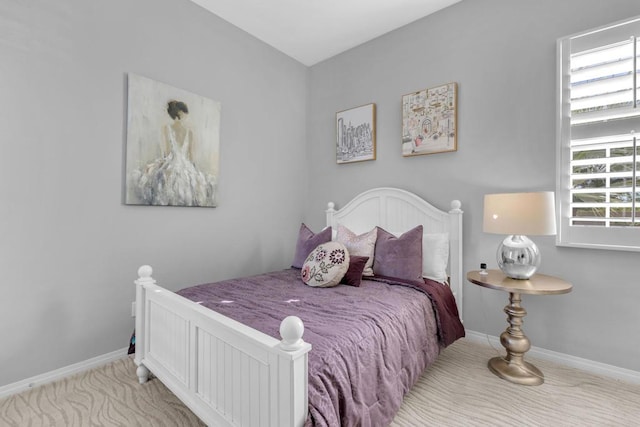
(594, 237)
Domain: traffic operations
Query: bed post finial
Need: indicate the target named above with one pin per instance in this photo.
(291, 330)
(145, 271)
(144, 275)
(455, 206)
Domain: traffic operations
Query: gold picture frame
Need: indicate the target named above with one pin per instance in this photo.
(429, 121)
(356, 134)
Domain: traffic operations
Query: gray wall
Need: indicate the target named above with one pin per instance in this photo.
(69, 248)
(502, 55)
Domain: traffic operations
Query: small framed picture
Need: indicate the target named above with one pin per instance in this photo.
(429, 121)
(356, 134)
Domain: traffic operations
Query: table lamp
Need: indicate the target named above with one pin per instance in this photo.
(518, 215)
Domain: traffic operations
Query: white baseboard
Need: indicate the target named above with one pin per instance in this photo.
(565, 359)
(57, 374)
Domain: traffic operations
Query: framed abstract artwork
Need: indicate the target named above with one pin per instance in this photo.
(173, 146)
(356, 134)
(429, 121)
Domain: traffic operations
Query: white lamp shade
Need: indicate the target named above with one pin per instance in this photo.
(530, 214)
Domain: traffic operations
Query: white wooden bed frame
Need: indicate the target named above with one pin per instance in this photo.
(229, 374)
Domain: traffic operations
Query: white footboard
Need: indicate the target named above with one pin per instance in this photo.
(227, 373)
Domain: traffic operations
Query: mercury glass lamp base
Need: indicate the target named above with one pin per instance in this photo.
(518, 257)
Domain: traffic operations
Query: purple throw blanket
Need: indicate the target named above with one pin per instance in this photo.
(370, 344)
(444, 304)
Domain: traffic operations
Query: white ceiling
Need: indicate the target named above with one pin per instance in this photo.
(311, 31)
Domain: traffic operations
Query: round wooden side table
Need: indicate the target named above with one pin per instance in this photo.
(513, 367)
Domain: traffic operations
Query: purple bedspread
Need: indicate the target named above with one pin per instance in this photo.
(369, 344)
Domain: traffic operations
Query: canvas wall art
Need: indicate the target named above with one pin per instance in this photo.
(429, 121)
(173, 146)
(356, 134)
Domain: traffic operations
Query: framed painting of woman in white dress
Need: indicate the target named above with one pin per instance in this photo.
(173, 146)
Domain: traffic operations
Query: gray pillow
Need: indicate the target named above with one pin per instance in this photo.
(399, 257)
(307, 242)
(362, 245)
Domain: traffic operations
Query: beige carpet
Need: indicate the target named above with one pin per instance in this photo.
(457, 391)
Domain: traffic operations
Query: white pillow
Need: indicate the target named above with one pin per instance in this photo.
(362, 245)
(435, 256)
(326, 265)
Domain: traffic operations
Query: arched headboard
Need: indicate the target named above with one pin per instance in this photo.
(398, 210)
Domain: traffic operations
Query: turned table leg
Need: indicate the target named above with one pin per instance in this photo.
(513, 367)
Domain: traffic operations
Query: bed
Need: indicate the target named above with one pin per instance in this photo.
(235, 358)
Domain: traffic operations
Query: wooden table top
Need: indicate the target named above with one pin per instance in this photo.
(538, 284)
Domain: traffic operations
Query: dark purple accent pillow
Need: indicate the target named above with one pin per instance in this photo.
(399, 257)
(353, 276)
(307, 242)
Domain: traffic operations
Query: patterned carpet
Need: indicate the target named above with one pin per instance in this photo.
(458, 390)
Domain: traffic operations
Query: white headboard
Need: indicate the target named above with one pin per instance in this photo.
(399, 211)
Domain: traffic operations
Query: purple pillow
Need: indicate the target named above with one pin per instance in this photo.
(353, 276)
(399, 257)
(307, 242)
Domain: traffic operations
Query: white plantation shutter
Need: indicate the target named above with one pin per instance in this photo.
(599, 158)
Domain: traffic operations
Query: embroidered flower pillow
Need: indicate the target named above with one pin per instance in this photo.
(326, 265)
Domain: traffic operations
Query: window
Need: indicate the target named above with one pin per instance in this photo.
(598, 180)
